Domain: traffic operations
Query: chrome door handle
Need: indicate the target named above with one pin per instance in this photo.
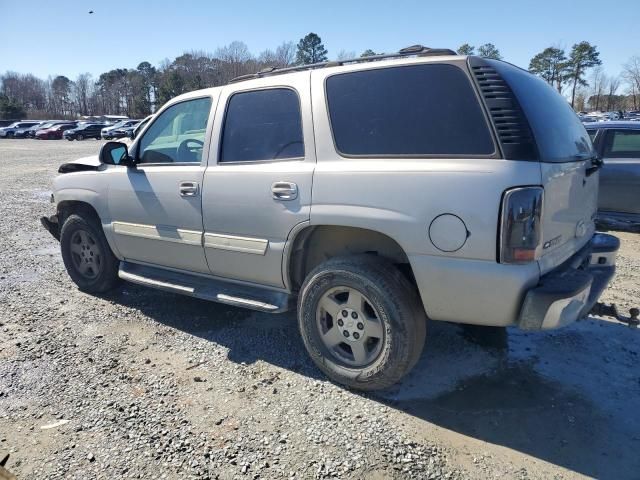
(284, 191)
(189, 189)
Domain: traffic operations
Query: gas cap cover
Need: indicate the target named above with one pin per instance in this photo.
(448, 232)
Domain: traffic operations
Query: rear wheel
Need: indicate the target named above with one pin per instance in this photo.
(87, 255)
(361, 321)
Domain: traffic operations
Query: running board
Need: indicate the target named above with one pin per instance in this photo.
(215, 290)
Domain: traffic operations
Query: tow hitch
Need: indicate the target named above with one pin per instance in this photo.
(604, 310)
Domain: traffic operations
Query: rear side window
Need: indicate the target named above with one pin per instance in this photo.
(622, 144)
(262, 125)
(416, 110)
(560, 135)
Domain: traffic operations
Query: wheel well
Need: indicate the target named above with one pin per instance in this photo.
(316, 244)
(69, 207)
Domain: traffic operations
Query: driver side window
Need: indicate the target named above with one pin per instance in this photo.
(177, 135)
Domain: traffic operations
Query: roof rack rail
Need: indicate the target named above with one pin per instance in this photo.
(413, 50)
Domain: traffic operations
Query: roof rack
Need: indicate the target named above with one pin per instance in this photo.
(413, 50)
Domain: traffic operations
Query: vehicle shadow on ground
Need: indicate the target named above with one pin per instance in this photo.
(568, 397)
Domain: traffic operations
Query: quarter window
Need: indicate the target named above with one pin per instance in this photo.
(177, 135)
(622, 144)
(262, 125)
(412, 110)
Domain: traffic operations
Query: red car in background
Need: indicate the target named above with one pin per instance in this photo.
(54, 133)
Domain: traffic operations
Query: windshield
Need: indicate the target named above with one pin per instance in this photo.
(560, 135)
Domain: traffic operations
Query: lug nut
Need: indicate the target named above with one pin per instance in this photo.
(345, 333)
(356, 335)
(345, 313)
(354, 315)
(340, 322)
(360, 326)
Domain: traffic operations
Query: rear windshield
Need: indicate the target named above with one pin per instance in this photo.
(419, 110)
(559, 133)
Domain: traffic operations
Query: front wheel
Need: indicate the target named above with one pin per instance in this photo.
(87, 255)
(361, 321)
(80, 137)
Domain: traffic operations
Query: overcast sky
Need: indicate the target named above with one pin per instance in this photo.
(49, 38)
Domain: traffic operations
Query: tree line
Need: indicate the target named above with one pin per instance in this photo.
(137, 92)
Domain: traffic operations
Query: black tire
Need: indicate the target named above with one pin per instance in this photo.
(396, 304)
(70, 139)
(80, 137)
(103, 275)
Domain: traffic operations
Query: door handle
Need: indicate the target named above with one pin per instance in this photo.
(284, 191)
(189, 189)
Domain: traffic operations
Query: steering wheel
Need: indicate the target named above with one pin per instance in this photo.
(186, 152)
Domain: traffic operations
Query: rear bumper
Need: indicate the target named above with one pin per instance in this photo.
(570, 291)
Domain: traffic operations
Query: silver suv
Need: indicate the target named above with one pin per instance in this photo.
(375, 193)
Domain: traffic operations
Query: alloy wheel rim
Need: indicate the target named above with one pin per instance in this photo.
(350, 327)
(86, 254)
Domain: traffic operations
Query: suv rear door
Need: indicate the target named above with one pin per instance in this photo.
(257, 187)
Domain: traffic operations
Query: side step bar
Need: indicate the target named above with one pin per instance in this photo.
(215, 290)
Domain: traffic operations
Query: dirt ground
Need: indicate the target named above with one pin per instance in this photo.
(145, 384)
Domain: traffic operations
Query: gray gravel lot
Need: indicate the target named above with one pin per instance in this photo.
(146, 384)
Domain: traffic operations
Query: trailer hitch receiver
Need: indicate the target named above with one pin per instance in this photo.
(604, 310)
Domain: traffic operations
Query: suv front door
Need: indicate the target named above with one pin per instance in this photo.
(156, 207)
(258, 184)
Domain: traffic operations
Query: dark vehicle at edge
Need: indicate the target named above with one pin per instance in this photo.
(618, 144)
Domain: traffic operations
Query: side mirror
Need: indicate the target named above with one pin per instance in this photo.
(132, 134)
(115, 153)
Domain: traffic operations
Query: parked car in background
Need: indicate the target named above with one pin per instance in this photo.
(23, 132)
(115, 130)
(132, 132)
(84, 130)
(31, 133)
(55, 132)
(618, 144)
(8, 132)
(124, 131)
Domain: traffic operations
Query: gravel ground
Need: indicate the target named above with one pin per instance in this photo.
(146, 384)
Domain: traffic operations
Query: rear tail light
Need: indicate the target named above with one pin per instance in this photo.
(521, 224)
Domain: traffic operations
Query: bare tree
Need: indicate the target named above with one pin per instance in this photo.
(598, 86)
(614, 84)
(631, 75)
(286, 54)
(345, 55)
(81, 92)
(234, 59)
